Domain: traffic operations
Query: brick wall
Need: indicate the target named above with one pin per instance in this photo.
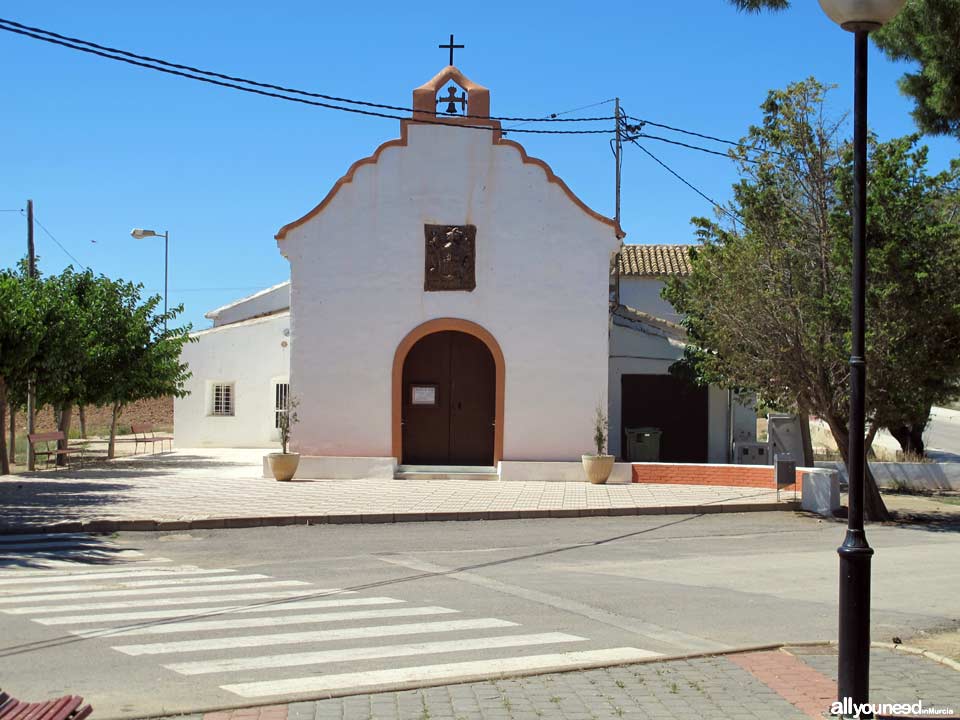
(758, 476)
(159, 412)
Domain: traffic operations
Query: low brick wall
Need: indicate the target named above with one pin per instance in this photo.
(758, 476)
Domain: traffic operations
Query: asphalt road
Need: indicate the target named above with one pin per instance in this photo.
(459, 599)
(943, 432)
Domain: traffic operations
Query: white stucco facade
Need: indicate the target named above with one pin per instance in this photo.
(251, 356)
(338, 331)
(266, 302)
(357, 289)
(643, 293)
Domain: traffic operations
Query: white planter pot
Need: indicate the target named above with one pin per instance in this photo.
(283, 465)
(597, 467)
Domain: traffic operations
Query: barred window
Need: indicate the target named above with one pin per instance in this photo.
(222, 399)
(281, 402)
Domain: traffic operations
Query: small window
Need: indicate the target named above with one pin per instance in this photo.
(222, 399)
(281, 402)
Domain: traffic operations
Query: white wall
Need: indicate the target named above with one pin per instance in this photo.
(643, 293)
(252, 356)
(264, 302)
(357, 271)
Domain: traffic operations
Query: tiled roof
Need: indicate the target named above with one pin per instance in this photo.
(654, 260)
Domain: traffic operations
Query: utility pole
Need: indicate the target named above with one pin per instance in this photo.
(618, 154)
(31, 389)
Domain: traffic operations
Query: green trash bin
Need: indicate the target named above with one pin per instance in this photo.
(643, 444)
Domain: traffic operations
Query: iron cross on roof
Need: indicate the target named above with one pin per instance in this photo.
(450, 47)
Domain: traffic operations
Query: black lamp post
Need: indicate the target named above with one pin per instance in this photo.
(858, 17)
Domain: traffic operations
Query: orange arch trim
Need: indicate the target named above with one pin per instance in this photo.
(496, 139)
(441, 325)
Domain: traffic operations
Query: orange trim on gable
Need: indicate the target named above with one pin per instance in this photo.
(496, 139)
(441, 325)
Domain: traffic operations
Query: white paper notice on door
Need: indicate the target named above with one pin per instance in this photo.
(423, 395)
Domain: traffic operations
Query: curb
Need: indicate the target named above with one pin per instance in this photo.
(416, 685)
(110, 526)
(910, 650)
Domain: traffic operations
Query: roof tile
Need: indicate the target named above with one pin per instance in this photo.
(654, 260)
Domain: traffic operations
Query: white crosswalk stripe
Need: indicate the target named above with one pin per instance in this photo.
(124, 583)
(90, 589)
(208, 611)
(104, 575)
(163, 602)
(236, 624)
(474, 670)
(369, 653)
(54, 597)
(353, 633)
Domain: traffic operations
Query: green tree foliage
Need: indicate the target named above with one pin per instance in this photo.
(88, 340)
(925, 32)
(768, 303)
(21, 330)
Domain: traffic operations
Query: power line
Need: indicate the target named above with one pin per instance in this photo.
(185, 71)
(555, 117)
(59, 244)
(704, 136)
(686, 182)
(690, 147)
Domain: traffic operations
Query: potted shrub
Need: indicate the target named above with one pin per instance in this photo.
(598, 467)
(283, 465)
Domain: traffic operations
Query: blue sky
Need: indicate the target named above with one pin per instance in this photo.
(102, 147)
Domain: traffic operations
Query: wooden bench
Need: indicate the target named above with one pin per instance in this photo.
(69, 707)
(144, 433)
(51, 449)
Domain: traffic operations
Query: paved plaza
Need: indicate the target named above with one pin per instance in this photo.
(210, 488)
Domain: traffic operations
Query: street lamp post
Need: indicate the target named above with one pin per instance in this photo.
(140, 234)
(859, 17)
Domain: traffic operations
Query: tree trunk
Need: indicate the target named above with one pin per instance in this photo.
(4, 460)
(82, 413)
(910, 438)
(874, 508)
(12, 453)
(806, 440)
(111, 446)
(66, 414)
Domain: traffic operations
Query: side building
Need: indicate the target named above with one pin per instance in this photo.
(241, 370)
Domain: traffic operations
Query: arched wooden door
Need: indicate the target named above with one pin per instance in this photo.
(449, 401)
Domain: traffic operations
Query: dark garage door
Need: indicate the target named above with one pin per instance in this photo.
(676, 406)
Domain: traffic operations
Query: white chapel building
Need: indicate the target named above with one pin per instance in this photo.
(453, 303)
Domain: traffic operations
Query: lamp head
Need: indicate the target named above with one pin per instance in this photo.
(862, 14)
(140, 233)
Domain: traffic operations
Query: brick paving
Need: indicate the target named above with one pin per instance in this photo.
(225, 488)
(786, 684)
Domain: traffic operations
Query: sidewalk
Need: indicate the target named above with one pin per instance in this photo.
(216, 488)
(791, 683)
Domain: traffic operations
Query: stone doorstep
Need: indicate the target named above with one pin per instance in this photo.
(141, 525)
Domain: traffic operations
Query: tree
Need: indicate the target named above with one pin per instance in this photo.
(913, 260)
(924, 32)
(133, 355)
(767, 305)
(21, 329)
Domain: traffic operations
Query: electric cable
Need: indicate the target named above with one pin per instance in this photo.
(153, 63)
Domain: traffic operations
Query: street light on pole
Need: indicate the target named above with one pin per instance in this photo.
(859, 17)
(140, 234)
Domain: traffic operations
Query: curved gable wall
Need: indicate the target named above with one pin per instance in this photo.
(357, 267)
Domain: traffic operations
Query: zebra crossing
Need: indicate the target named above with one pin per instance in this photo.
(254, 636)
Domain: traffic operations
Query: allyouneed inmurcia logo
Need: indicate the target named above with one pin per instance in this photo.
(849, 709)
